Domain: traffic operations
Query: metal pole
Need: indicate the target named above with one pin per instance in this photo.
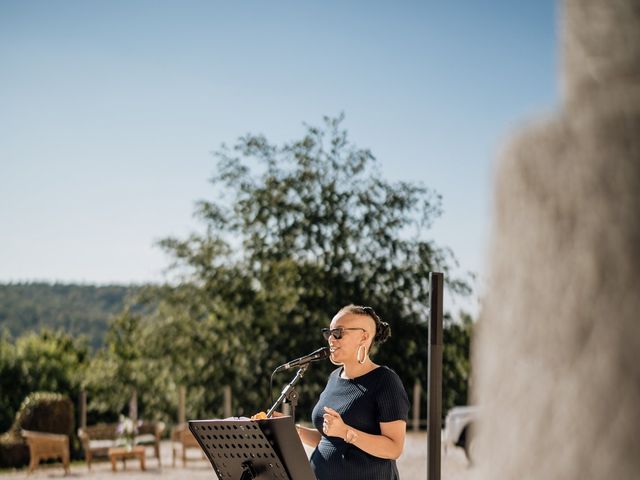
(434, 407)
(417, 389)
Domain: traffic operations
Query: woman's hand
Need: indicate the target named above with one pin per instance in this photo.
(389, 444)
(263, 416)
(333, 426)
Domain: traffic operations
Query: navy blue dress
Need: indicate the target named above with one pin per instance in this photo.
(363, 402)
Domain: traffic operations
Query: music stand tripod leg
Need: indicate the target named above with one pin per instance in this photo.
(249, 472)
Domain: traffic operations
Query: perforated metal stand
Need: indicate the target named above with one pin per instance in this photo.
(253, 450)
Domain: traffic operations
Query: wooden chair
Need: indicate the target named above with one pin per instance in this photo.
(181, 437)
(44, 446)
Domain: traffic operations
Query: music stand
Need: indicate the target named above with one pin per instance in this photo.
(244, 449)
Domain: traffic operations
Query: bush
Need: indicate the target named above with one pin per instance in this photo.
(12, 385)
(51, 361)
(41, 412)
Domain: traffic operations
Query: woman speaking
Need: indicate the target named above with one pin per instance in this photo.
(361, 416)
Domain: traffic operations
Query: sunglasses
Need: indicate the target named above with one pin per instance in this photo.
(336, 332)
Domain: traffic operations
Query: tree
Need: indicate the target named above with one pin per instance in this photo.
(12, 390)
(47, 360)
(76, 309)
(456, 361)
(294, 233)
(119, 368)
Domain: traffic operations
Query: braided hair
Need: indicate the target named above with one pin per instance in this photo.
(383, 330)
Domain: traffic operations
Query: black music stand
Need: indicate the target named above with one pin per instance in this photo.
(244, 449)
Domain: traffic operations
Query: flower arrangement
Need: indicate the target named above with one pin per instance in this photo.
(127, 430)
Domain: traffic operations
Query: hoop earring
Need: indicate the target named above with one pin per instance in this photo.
(364, 357)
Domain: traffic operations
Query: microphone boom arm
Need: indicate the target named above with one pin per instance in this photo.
(289, 393)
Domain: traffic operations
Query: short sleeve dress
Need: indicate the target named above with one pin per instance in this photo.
(363, 402)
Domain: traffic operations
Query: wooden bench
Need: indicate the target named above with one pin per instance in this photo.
(43, 446)
(98, 439)
(150, 433)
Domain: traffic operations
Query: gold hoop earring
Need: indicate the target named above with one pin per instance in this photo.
(364, 357)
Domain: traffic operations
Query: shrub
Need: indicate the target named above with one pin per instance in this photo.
(41, 412)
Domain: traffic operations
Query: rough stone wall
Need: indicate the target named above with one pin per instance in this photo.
(557, 355)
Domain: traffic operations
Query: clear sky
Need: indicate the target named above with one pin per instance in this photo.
(109, 111)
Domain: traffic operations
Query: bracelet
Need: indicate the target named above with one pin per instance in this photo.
(351, 436)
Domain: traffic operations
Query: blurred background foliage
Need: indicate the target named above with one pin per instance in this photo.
(46, 360)
(77, 309)
(290, 234)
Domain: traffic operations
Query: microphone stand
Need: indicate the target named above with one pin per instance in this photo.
(289, 394)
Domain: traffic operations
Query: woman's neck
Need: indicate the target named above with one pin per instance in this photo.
(355, 369)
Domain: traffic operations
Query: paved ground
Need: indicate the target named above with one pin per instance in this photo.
(412, 465)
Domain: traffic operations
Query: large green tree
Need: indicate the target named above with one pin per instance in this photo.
(47, 360)
(292, 233)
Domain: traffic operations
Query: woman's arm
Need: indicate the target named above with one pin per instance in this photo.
(309, 436)
(389, 444)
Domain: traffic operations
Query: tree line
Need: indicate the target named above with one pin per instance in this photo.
(77, 309)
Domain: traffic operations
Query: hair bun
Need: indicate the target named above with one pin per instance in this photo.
(383, 332)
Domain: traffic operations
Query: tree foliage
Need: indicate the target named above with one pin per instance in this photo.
(47, 360)
(456, 361)
(293, 233)
(75, 309)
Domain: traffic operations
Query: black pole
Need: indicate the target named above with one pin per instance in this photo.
(289, 393)
(434, 407)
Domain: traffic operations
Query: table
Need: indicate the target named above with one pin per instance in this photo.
(122, 453)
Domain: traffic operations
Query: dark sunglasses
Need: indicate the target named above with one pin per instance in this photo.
(336, 332)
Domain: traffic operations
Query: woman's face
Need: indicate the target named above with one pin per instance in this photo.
(356, 330)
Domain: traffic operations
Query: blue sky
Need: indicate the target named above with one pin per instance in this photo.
(109, 111)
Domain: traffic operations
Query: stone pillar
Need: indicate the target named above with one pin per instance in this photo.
(556, 349)
(227, 401)
(83, 409)
(182, 400)
(133, 405)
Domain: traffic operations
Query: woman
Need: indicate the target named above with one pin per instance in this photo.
(361, 416)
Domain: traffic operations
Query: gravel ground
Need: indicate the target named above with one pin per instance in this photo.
(412, 465)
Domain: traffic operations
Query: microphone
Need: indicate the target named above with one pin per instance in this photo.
(319, 354)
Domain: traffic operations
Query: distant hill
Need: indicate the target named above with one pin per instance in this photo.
(76, 309)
